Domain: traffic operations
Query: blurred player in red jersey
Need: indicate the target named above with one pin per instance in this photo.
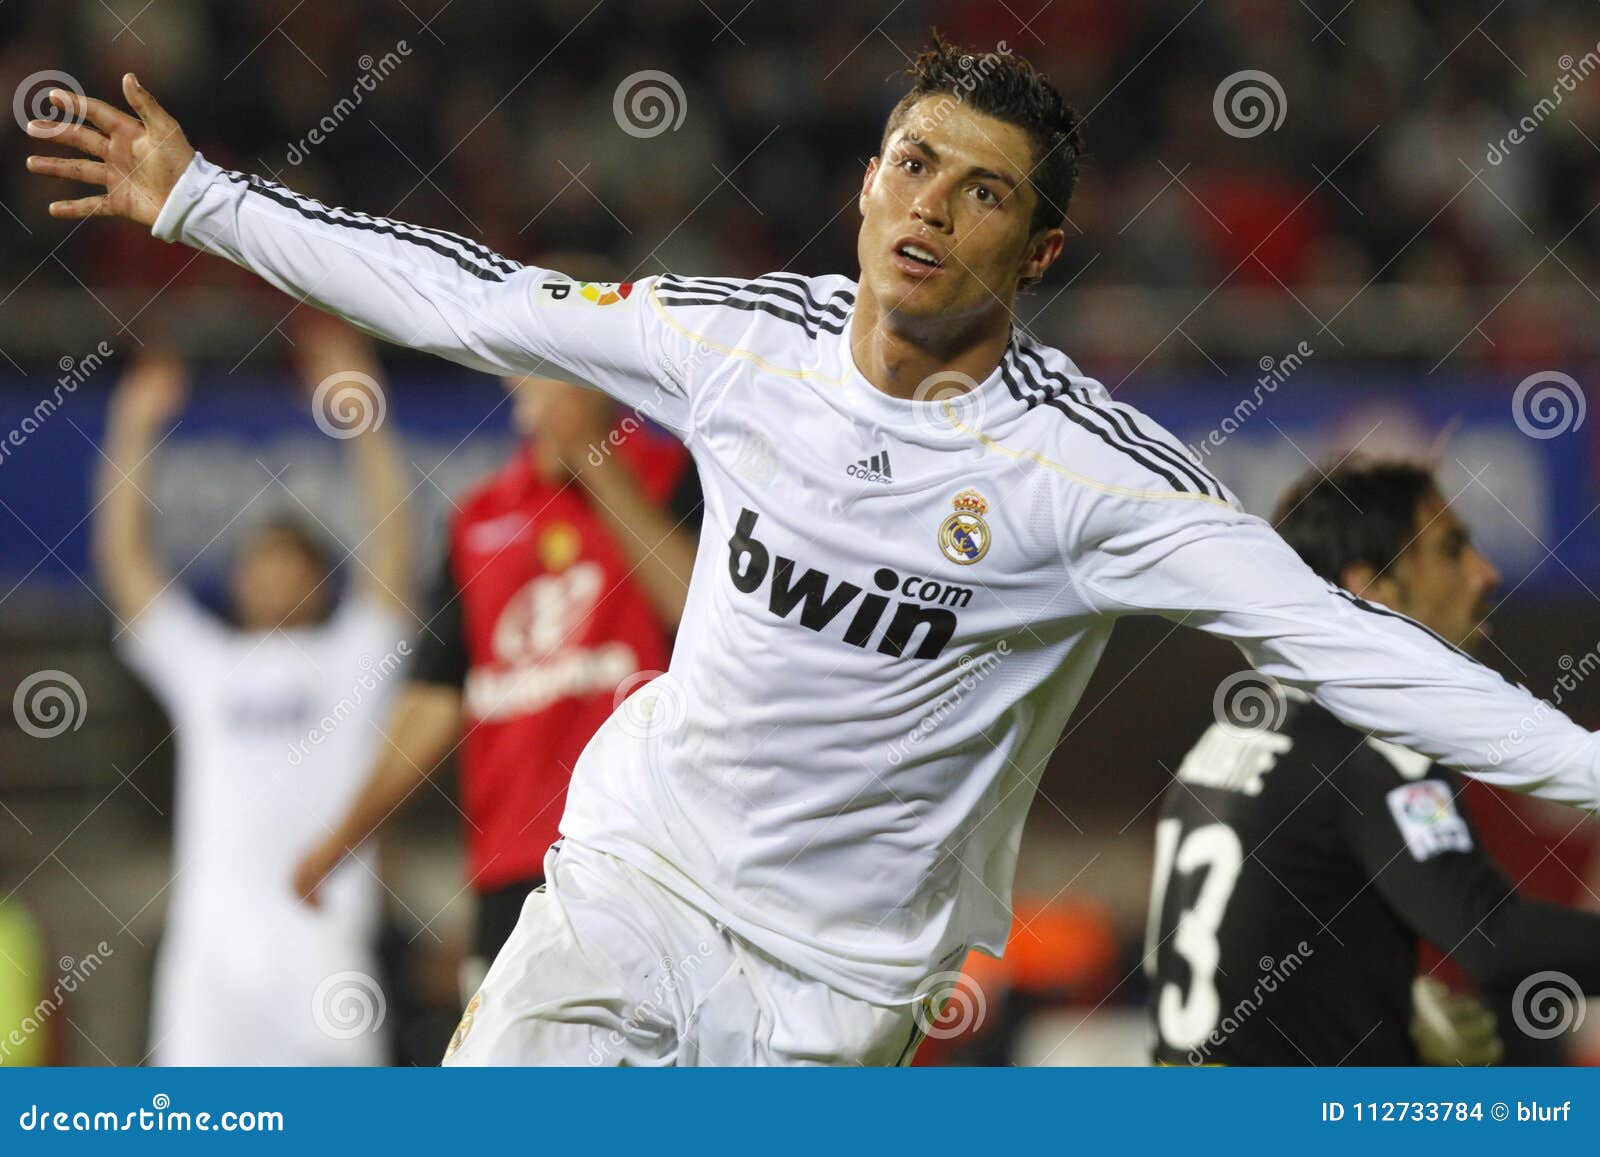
(564, 579)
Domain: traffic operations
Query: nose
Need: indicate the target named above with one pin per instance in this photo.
(1488, 574)
(929, 208)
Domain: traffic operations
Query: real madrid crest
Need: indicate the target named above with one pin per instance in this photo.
(964, 536)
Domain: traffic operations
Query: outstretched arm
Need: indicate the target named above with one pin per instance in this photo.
(146, 398)
(1202, 563)
(344, 381)
(415, 286)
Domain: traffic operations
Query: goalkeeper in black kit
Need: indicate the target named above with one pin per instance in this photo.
(1300, 861)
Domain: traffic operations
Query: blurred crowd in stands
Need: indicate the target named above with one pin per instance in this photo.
(1394, 166)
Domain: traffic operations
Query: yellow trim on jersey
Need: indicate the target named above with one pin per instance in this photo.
(734, 351)
(1109, 488)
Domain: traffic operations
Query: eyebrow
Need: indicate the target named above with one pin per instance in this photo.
(929, 152)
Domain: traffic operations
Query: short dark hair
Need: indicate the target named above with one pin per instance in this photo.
(1008, 88)
(1354, 512)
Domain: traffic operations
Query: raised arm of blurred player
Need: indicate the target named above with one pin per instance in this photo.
(657, 545)
(1202, 562)
(342, 375)
(147, 398)
(415, 286)
(573, 425)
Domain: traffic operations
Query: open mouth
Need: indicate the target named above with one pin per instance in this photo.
(919, 254)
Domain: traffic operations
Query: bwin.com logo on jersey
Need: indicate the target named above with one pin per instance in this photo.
(820, 601)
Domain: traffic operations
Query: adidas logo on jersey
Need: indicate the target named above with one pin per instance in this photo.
(820, 601)
(873, 469)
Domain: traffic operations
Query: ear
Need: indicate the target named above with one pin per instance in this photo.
(866, 185)
(1042, 252)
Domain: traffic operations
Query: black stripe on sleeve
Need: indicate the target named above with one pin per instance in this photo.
(1048, 398)
(1379, 609)
(472, 248)
(374, 225)
(757, 297)
(1059, 389)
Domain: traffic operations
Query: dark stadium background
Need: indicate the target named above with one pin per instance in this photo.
(1373, 227)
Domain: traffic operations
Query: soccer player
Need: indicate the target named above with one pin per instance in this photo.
(563, 580)
(786, 867)
(1299, 861)
(274, 715)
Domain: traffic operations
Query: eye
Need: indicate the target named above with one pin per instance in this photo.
(985, 195)
(911, 165)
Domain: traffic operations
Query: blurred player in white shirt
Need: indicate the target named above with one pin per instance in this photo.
(273, 718)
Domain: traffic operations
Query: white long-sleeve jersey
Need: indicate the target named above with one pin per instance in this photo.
(896, 604)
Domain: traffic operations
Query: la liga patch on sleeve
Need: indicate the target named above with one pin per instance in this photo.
(1425, 812)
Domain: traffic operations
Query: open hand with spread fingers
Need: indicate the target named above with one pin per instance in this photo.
(136, 159)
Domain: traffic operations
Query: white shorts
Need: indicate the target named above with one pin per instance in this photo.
(606, 967)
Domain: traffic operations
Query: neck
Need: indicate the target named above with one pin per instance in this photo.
(898, 354)
(545, 464)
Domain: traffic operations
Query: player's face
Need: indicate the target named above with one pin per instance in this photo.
(275, 584)
(1442, 580)
(945, 215)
